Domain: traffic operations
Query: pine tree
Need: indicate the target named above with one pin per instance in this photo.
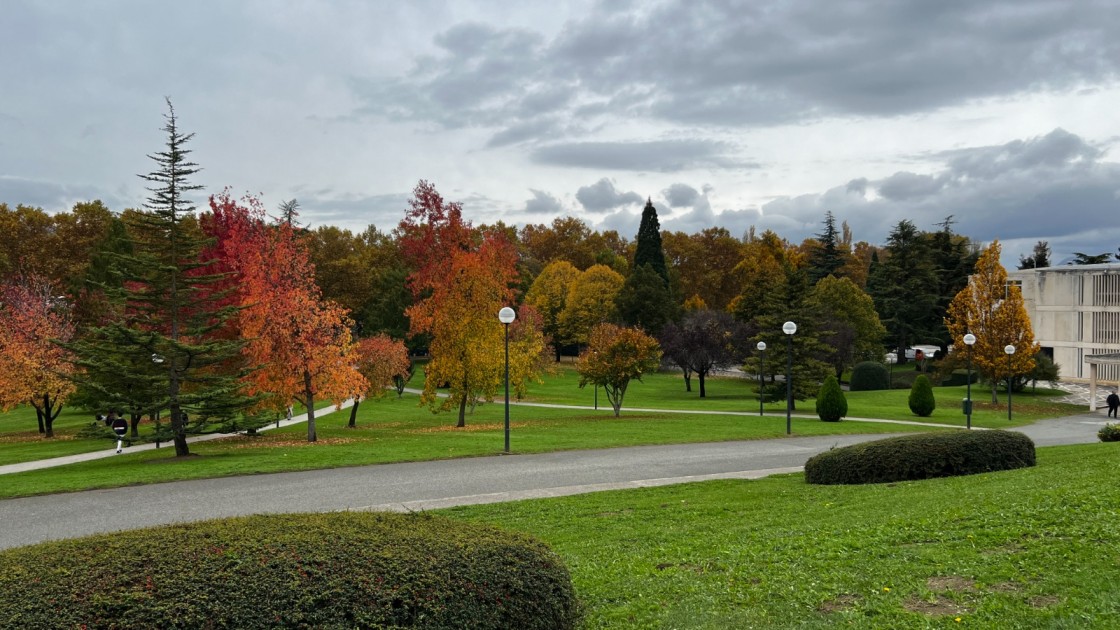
(905, 288)
(953, 263)
(826, 259)
(645, 301)
(648, 250)
(163, 348)
(1039, 257)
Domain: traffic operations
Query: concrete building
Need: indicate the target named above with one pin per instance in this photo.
(1075, 314)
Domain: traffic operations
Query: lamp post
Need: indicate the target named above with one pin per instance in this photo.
(969, 340)
(158, 360)
(761, 369)
(1009, 350)
(789, 328)
(892, 358)
(506, 316)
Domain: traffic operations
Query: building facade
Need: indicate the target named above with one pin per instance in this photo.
(1075, 314)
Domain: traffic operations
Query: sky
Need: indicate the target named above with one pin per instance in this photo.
(766, 113)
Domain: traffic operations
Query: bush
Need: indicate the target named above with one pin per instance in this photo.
(1109, 433)
(960, 378)
(831, 403)
(921, 399)
(338, 570)
(869, 375)
(923, 456)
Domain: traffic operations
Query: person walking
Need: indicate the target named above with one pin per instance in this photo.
(1113, 401)
(120, 427)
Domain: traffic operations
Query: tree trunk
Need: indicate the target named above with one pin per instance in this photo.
(179, 431)
(39, 417)
(700, 375)
(354, 412)
(462, 411)
(687, 381)
(309, 402)
(134, 423)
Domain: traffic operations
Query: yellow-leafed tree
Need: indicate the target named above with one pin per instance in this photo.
(993, 311)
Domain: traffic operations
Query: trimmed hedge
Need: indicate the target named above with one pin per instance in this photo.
(922, 456)
(868, 376)
(921, 400)
(338, 570)
(831, 403)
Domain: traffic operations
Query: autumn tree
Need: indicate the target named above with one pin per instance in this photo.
(704, 341)
(614, 357)
(700, 264)
(383, 361)
(847, 315)
(300, 343)
(34, 368)
(993, 311)
(462, 277)
(549, 294)
(590, 301)
(761, 275)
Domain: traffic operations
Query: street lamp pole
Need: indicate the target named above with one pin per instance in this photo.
(969, 340)
(506, 316)
(891, 359)
(789, 328)
(1010, 350)
(761, 369)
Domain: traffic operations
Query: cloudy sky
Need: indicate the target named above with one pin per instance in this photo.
(1004, 114)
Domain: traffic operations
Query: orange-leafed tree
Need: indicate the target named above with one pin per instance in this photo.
(34, 368)
(300, 344)
(384, 362)
(993, 311)
(614, 357)
(461, 278)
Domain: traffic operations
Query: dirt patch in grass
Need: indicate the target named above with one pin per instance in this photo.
(1006, 587)
(839, 603)
(34, 436)
(950, 583)
(1044, 601)
(936, 607)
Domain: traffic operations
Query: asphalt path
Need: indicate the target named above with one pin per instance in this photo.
(436, 484)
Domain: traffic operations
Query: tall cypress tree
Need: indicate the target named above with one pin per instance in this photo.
(648, 251)
(163, 350)
(646, 299)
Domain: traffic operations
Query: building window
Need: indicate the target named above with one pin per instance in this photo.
(1106, 327)
(1106, 289)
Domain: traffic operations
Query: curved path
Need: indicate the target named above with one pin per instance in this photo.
(425, 485)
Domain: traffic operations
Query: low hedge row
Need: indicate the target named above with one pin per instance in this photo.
(922, 456)
(339, 570)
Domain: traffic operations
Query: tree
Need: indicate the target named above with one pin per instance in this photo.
(905, 288)
(921, 400)
(170, 306)
(994, 312)
(614, 357)
(645, 301)
(590, 301)
(549, 295)
(831, 403)
(699, 265)
(383, 362)
(34, 368)
(826, 257)
(848, 315)
(649, 250)
(953, 262)
(300, 343)
(704, 341)
(1039, 257)
(1080, 258)
(760, 274)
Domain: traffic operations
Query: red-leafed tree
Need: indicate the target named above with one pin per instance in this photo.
(300, 343)
(384, 362)
(34, 368)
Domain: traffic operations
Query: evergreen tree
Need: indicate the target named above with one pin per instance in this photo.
(645, 301)
(164, 349)
(826, 258)
(1039, 257)
(953, 263)
(905, 288)
(648, 248)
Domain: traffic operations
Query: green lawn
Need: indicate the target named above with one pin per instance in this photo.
(1033, 548)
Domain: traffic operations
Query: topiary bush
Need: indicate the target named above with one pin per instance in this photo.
(1109, 433)
(922, 456)
(868, 376)
(921, 398)
(338, 570)
(831, 403)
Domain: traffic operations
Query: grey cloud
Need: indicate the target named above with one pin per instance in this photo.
(51, 196)
(352, 212)
(543, 203)
(657, 155)
(904, 185)
(680, 195)
(602, 196)
(1054, 150)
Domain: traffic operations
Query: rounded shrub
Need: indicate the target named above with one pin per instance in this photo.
(921, 399)
(869, 375)
(831, 403)
(922, 456)
(338, 570)
(1109, 433)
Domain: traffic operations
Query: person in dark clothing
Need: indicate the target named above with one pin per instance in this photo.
(1113, 404)
(120, 427)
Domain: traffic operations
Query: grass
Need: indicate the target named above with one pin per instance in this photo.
(1032, 548)
(397, 430)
